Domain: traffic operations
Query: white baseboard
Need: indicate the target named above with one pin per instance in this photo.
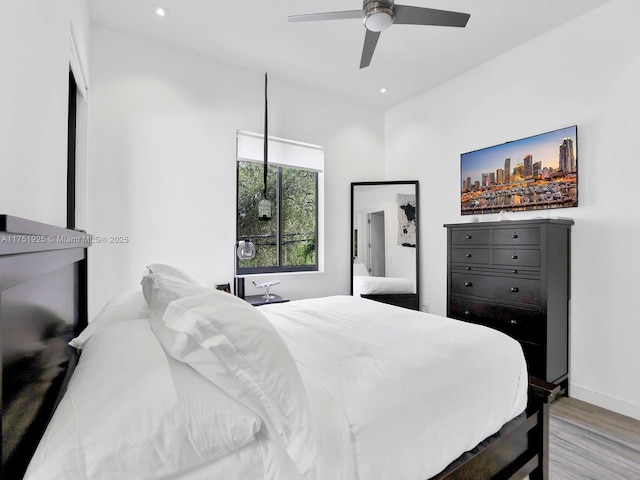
(605, 401)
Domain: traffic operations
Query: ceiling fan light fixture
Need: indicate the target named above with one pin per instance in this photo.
(377, 16)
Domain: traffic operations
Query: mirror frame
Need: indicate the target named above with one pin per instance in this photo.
(404, 300)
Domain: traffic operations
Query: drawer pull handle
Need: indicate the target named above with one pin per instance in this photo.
(467, 313)
(468, 255)
(468, 237)
(514, 271)
(468, 284)
(514, 257)
(515, 289)
(513, 321)
(468, 268)
(515, 235)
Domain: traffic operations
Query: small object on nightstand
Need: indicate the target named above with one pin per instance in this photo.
(257, 300)
(267, 285)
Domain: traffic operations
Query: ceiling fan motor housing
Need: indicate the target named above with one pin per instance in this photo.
(377, 15)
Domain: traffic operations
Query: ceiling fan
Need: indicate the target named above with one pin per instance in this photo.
(378, 15)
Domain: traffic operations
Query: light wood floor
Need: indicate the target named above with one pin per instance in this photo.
(591, 443)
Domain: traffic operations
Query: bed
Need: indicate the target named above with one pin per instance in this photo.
(316, 395)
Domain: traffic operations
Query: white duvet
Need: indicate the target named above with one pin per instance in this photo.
(393, 394)
(412, 391)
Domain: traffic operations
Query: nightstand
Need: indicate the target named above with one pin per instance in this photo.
(257, 300)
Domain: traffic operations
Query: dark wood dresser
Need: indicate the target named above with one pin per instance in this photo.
(514, 276)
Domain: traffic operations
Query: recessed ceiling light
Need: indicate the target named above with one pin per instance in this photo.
(383, 90)
(161, 11)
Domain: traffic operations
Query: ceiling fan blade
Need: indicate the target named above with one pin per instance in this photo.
(406, 15)
(370, 42)
(312, 17)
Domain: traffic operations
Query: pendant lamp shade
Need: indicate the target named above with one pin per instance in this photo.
(264, 209)
(245, 250)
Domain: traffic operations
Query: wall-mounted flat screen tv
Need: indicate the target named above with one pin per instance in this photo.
(533, 173)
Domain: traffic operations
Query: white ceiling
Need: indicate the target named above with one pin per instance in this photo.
(255, 35)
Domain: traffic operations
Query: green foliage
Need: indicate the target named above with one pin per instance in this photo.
(262, 234)
(308, 249)
(297, 192)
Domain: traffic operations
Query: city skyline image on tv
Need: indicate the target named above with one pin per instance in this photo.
(533, 173)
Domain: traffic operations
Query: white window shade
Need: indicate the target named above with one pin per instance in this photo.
(285, 153)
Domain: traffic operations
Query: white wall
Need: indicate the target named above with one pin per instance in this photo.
(35, 37)
(162, 128)
(586, 72)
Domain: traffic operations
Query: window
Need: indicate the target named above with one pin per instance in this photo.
(289, 242)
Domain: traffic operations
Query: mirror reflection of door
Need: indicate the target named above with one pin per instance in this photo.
(376, 246)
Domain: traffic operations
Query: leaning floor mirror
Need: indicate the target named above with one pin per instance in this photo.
(385, 242)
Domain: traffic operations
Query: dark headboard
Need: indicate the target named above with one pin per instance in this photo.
(43, 304)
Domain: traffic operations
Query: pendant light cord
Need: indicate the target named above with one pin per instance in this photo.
(266, 142)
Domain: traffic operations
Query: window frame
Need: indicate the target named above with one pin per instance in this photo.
(280, 269)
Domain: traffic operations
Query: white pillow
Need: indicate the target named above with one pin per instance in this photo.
(124, 307)
(161, 289)
(163, 269)
(131, 412)
(234, 345)
(171, 270)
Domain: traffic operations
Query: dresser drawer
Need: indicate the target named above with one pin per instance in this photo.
(470, 237)
(510, 289)
(470, 255)
(516, 236)
(503, 270)
(516, 257)
(519, 323)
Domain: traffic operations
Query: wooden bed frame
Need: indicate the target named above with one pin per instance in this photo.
(43, 304)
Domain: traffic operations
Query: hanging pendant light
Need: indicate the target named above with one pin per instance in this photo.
(264, 206)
